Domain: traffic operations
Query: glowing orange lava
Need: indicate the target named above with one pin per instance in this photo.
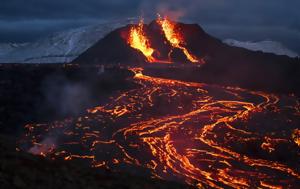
(296, 136)
(175, 38)
(138, 40)
(207, 136)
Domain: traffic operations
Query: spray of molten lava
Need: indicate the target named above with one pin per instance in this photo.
(138, 40)
(174, 37)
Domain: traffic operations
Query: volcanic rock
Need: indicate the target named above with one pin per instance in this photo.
(224, 64)
(24, 170)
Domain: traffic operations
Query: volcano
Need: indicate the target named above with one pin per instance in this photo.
(179, 115)
(114, 47)
(220, 63)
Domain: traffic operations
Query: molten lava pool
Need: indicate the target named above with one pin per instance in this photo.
(203, 135)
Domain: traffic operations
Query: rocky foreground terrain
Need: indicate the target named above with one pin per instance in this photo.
(34, 93)
(22, 170)
(26, 95)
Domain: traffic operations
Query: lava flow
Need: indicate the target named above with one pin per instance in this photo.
(175, 38)
(138, 40)
(204, 135)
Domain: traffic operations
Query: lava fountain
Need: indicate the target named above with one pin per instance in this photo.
(138, 40)
(175, 38)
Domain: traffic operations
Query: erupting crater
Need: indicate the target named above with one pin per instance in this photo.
(175, 38)
(161, 41)
(137, 39)
(170, 33)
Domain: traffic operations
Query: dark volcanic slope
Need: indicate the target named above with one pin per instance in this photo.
(224, 64)
(39, 93)
(111, 49)
(114, 48)
(21, 170)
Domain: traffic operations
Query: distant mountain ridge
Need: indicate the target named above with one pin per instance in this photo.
(6, 48)
(266, 46)
(61, 47)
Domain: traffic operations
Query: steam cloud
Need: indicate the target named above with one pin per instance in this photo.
(46, 145)
(65, 96)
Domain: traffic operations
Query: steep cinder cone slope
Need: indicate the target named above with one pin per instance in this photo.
(220, 63)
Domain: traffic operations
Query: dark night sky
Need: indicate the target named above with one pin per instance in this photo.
(27, 20)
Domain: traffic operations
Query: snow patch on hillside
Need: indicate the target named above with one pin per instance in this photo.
(61, 47)
(266, 46)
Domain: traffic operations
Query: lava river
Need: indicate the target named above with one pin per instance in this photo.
(204, 135)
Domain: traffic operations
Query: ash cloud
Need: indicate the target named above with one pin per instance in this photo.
(46, 145)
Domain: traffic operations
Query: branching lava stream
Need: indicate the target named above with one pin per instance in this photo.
(204, 135)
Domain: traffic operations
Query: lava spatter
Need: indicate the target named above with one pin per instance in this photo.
(138, 40)
(175, 38)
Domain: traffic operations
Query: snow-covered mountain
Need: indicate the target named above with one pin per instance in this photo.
(263, 46)
(59, 47)
(6, 48)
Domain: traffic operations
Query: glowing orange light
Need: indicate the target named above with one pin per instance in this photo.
(296, 136)
(174, 37)
(138, 40)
